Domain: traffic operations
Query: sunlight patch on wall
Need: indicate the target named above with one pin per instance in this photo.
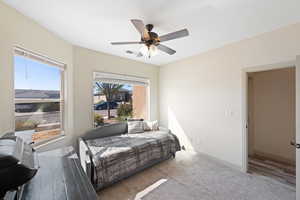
(176, 128)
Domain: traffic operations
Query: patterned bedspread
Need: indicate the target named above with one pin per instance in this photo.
(118, 156)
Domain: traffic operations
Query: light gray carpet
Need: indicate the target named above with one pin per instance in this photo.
(190, 177)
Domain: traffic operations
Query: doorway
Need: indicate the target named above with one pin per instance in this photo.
(271, 123)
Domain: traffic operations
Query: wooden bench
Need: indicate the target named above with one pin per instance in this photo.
(59, 177)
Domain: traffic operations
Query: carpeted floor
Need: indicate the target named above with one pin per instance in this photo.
(196, 177)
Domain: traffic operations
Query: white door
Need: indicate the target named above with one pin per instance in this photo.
(298, 126)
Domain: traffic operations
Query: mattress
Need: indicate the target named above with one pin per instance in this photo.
(118, 156)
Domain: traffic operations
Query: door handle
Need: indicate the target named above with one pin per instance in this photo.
(297, 145)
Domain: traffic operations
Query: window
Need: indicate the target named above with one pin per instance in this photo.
(39, 105)
(118, 97)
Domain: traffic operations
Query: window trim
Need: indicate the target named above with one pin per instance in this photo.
(20, 51)
(38, 57)
(137, 80)
(119, 78)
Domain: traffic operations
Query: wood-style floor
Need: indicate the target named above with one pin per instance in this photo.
(285, 173)
(196, 177)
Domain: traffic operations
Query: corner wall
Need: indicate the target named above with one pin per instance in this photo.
(86, 62)
(17, 29)
(201, 97)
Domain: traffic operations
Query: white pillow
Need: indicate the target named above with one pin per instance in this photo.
(135, 127)
(151, 125)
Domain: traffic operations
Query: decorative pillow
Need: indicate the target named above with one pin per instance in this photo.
(151, 125)
(135, 127)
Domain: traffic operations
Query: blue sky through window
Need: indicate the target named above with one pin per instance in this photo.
(31, 74)
(128, 87)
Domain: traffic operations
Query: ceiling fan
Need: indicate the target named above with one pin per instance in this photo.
(151, 41)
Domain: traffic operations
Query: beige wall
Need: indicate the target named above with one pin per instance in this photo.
(17, 29)
(86, 62)
(272, 114)
(201, 96)
(139, 102)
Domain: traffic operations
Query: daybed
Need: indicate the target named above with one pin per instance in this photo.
(109, 154)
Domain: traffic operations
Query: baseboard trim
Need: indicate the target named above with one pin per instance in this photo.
(223, 162)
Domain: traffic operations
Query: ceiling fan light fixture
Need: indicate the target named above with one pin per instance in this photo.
(149, 51)
(153, 50)
(144, 50)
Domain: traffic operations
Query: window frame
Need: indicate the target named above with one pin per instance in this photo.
(131, 79)
(19, 51)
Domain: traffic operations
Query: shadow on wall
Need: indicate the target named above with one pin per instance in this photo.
(177, 129)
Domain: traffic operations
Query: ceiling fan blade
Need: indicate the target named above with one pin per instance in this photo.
(166, 49)
(140, 26)
(174, 35)
(124, 43)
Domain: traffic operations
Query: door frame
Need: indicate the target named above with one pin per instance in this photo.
(297, 126)
(245, 72)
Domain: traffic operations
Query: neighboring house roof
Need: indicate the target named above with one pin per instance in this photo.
(37, 94)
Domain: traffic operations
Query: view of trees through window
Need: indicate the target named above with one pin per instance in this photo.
(38, 102)
(117, 102)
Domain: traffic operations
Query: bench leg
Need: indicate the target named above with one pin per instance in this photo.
(173, 155)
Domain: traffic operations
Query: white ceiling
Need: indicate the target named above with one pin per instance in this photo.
(212, 23)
